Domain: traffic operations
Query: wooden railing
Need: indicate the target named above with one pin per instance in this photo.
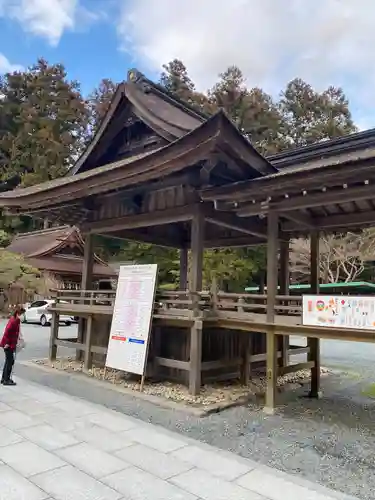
(182, 303)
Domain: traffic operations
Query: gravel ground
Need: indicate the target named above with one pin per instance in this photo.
(331, 441)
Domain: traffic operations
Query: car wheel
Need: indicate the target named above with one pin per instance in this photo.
(68, 323)
(23, 319)
(43, 320)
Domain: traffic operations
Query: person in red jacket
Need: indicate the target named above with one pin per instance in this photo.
(9, 344)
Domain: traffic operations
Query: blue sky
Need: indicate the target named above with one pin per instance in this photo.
(325, 41)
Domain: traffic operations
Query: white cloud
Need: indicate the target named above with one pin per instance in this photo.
(6, 66)
(44, 18)
(272, 41)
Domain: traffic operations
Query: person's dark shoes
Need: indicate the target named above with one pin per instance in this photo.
(9, 382)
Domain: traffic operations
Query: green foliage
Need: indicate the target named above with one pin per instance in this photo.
(43, 123)
(15, 270)
(98, 103)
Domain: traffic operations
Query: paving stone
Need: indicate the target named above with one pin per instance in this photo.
(153, 438)
(15, 487)
(209, 487)
(47, 437)
(155, 462)
(213, 462)
(8, 437)
(74, 408)
(9, 394)
(28, 459)
(68, 483)
(136, 484)
(29, 406)
(62, 421)
(15, 419)
(4, 407)
(111, 420)
(101, 438)
(95, 462)
(277, 488)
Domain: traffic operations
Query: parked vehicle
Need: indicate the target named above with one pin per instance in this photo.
(37, 312)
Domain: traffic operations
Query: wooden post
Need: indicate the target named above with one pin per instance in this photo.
(272, 254)
(53, 336)
(184, 268)
(314, 344)
(195, 285)
(88, 343)
(86, 284)
(284, 290)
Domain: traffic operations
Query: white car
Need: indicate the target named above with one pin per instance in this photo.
(37, 312)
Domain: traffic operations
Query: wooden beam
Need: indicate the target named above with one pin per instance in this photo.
(197, 238)
(157, 218)
(241, 241)
(324, 198)
(53, 337)
(299, 218)
(231, 221)
(314, 343)
(336, 221)
(284, 290)
(86, 284)
(272, 282)
(195, 285)
(167, 242)
(184, 264)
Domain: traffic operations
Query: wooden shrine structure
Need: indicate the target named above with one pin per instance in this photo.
(59, 251)
(160, 171)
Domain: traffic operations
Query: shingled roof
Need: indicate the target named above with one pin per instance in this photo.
(44, 249)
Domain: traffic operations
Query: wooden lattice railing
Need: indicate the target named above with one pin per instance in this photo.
(184, 303)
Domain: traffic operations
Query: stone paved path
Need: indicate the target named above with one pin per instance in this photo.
(54, 446)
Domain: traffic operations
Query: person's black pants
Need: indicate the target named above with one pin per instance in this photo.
(8, 365)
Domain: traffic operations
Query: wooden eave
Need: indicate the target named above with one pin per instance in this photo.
(217, 133)
(329, 198)
(332, 148)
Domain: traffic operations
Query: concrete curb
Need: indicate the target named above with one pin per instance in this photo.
(158, 401)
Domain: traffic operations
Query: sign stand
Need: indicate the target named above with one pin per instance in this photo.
(131, 326)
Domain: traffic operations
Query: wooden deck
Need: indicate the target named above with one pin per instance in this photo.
(233, 333)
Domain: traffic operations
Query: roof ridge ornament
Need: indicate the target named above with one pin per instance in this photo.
(134, 75)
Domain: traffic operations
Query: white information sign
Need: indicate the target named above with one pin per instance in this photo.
(339, 311)
(131, 321)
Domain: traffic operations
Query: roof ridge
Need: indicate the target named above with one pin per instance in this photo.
(43, 231)
(136, 76)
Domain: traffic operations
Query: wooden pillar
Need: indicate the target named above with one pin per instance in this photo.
(86, 284)
(272, 255)
(195, 285)
(314, 344)
(284, 290)
(53, 337)
(184, 265)
(88, 342)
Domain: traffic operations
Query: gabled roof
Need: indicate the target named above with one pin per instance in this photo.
(45, 250)
(167, 116)
(217, 133)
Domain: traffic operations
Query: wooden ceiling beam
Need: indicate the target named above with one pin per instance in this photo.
(341, 221)
(156, 218)
(241, 241)
(231, 221)
(145, 238)
(299, 218)
(333, 197)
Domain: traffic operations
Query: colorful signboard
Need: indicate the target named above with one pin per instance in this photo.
(339, 311)
(131, 322)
